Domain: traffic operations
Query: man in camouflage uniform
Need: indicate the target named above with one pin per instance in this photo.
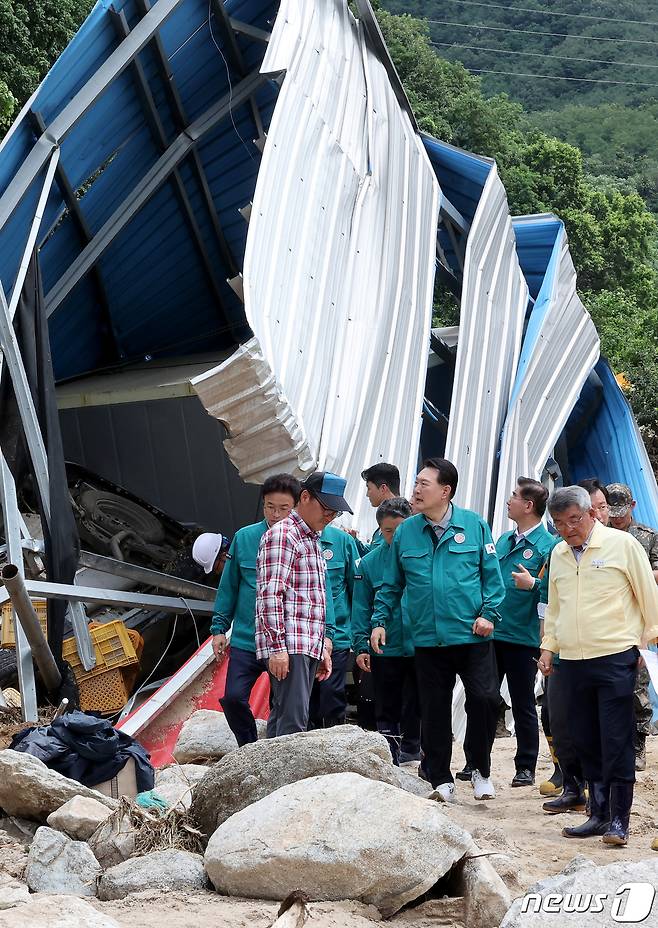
(621, 505)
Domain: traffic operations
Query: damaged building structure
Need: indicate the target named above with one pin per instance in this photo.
(241, 233)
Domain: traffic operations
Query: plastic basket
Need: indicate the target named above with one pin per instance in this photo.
(106, 692)
(113, 645)
(8, 632)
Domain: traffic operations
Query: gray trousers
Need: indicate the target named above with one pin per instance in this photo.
(291, 697)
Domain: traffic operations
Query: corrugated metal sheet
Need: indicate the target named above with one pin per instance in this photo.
(493, 306)
(611, 449)
(560, 348)
(339, 264)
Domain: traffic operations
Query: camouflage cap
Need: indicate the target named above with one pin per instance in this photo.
(620, 499)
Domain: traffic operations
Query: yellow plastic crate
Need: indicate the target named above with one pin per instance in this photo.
(8, 633)
(106, 692)
(113, 646)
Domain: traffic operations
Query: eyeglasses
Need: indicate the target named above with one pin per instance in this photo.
(275, 510)
(327, 511)
(568, 523)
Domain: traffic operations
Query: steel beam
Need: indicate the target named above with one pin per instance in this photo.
(26, 408)
(73, 205)
(160, 139)
(147, 577)
(113, 66)
(150, 184)
(252, 32)
(100, 597)
(12, 524)
(235, 56)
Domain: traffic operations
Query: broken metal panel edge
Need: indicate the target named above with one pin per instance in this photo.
(140, 718)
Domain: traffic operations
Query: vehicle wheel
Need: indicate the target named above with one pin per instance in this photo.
(114, 514)
(8, 668)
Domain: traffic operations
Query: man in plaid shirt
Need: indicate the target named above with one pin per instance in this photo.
(294, 614)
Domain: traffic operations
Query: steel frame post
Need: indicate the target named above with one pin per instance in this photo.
(12, 522)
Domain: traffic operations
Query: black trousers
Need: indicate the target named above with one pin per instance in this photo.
(600, 695)
(394, 679)
(558, 700)
(516, 662)
(328, 697)
(244, 668)
(437, 670)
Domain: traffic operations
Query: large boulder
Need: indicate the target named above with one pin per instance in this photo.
(31, 790)
(56, 912)
(588, 896)
(175, 783)
(205, 736)
(167, 871)
(340, 836)
(114, 840)
(79, 817)
(56, 864)
(256, 770)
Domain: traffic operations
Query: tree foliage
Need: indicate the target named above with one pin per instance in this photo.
(612, 234)
(32, 35)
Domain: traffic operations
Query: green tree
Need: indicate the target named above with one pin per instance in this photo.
(33, 33)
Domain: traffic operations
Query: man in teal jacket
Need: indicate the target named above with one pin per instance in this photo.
(523, 553)
(328, 697)
(394, 670)
(235, 606)
(445, 559)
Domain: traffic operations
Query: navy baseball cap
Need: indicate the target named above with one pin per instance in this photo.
(328, 489)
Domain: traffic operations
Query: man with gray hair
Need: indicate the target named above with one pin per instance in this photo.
(602, 606)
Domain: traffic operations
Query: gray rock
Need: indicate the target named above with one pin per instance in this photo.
(256, 770)
(162, 870)
(486, 898)
(31, 790)
(12, 892)
(412, 783)
(334, 837)
(175, 783)
(205, 736)
(56, 912)
(79, 817)
(17, 830)
(56, 864)
(113, 841)
(546, 904)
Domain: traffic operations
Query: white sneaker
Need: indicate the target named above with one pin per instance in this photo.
(483, 787)
(445, 792)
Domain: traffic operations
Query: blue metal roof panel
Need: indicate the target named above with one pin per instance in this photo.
(158, 290)
(612, 449)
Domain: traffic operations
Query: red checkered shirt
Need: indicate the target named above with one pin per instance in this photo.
(291, 600)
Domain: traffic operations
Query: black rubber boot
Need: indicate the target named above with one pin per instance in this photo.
(572, 798)
(599, 819)
(621, 800)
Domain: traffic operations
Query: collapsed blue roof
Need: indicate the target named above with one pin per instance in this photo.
(160, 286)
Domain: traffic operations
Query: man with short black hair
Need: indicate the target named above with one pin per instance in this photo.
(445, 559)
(294, 609)
(235, 605)
(382, 482)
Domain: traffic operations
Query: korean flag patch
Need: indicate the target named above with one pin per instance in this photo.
(490, 548)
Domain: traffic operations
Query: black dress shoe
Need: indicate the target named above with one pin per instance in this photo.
(523, 777)
(465, 774)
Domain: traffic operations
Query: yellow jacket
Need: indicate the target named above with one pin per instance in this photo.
(605, 604)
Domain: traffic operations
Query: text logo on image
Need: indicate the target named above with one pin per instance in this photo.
(631, 904)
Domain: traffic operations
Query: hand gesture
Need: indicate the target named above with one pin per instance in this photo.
(523, 579)
(378, 640)
(482, 627)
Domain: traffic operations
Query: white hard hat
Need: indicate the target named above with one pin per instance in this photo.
(206, 548)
